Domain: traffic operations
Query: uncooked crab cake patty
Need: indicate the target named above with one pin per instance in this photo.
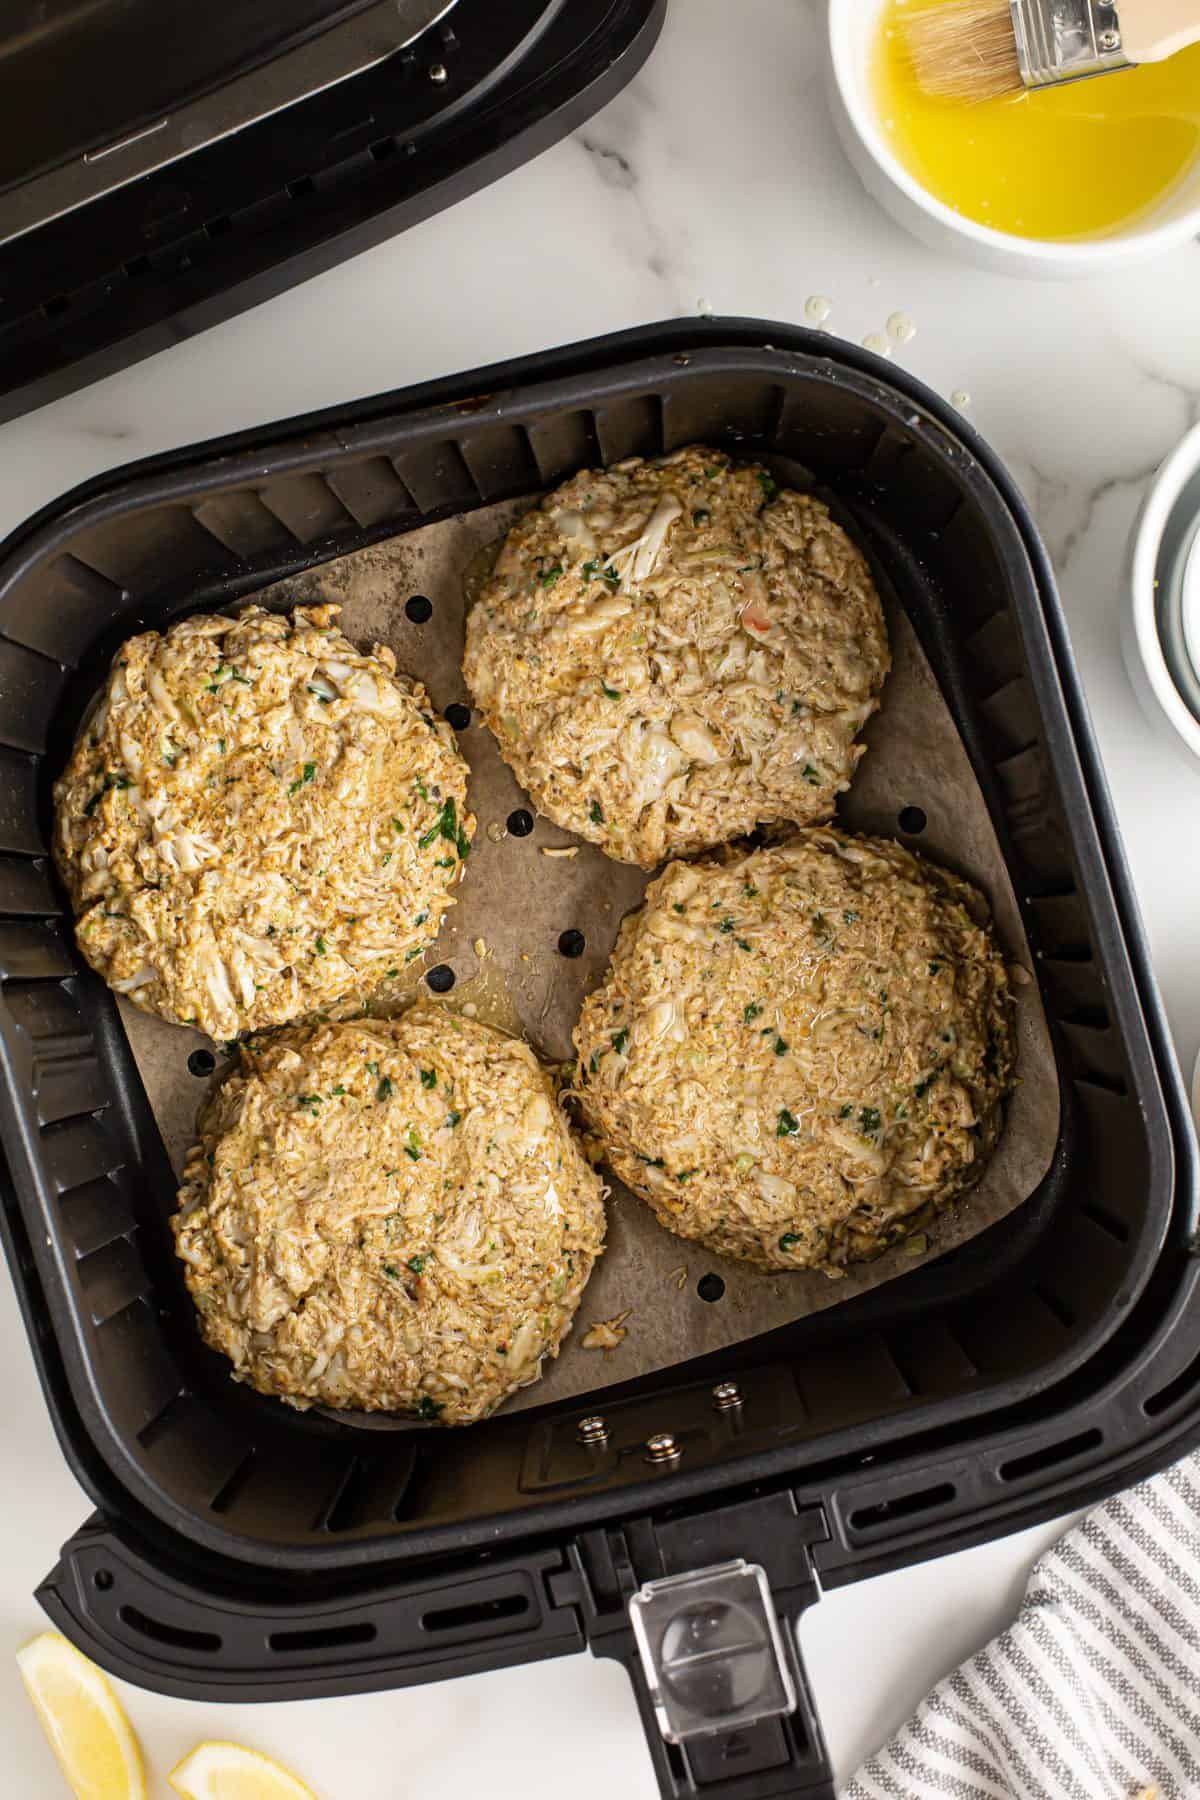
(799, 1056)
(670, 653)
(257, 820)
(388, 1215)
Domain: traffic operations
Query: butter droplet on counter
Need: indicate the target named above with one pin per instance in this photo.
(876, 341)
(497, 832)
(902, 327)
(817, 309)
(961, 399)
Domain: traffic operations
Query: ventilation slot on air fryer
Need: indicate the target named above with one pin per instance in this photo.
(1046, 1458)
(886, 1512)
(206, 1642)
(484, 1612)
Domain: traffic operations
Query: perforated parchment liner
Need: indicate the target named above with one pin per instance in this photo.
(518, 901)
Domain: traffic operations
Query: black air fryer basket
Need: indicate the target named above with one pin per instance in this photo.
(1051, 1360)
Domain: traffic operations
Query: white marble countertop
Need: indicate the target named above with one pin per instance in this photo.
(715, 181)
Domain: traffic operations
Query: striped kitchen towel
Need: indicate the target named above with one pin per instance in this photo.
(1094, 1692)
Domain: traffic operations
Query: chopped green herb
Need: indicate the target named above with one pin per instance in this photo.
(453, 1118)
(751, 893)
(849, 918)
(620, 1039)
(726, 926)
(386, 860)
(935, 968)
(679, 907)
(422, 790)
(868, 1118)
(417, 1264)
(752, 1012)
(845, 1112)
(444, 862)
(413, 1146)
(338, 1091)
(428, 1078)
(323, 698)
(391, 1271)
(551, 575)
(169, 756)
(594, 1061)
(787, 1126)
(429, 1409)
(110, 781)
(384, 1090)
(811, 776)
(652, 1162)
(609, 693)
(781, 1049)
(742, 944)
(788, 1242)
(768, 484)
(596, 813)
(322, 946)
(421, 918)
(310, 769)
(700, 516)
(446, 825)
(244, 679)
(220, 675)
(390, 974)
(309, 1102)
(923, 1087)
(397, 825)
(373, 1069)
(409, 954)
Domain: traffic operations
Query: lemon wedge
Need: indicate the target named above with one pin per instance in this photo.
(84, 1721)
(228, 1772)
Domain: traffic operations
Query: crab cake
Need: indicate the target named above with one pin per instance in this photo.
(388, 1215)
(799, 1056)
(257, 820)
(671, 653)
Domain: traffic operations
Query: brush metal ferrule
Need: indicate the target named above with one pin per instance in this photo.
(1066, 40)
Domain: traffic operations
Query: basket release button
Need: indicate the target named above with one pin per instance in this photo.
(711, 1651)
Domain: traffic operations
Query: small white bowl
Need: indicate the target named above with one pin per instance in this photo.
(853, 26)
(1156, 683)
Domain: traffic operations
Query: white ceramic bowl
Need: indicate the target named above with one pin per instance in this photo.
(852, 29)
(1141, 639)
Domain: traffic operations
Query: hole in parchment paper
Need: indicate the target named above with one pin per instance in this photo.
(458, 716)
(441, 979)
(419, 609)
(520, 822)
(710, 1287)
(202, 1062)
(913, 821)
(572, 943)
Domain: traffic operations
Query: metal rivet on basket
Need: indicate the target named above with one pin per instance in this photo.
(726, 1395)
(662, 1448)
(439, 73)
(592, 1430)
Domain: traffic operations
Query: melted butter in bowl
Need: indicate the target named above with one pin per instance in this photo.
(1084, 160)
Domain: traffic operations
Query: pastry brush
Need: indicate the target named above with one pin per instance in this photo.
(985, 49)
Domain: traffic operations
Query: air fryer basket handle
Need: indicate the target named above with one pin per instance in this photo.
(768, 1539)
(777, 1757)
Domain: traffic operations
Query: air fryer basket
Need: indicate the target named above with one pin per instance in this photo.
(1046, 1362)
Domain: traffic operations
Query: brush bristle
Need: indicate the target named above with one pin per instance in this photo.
(963, 49)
